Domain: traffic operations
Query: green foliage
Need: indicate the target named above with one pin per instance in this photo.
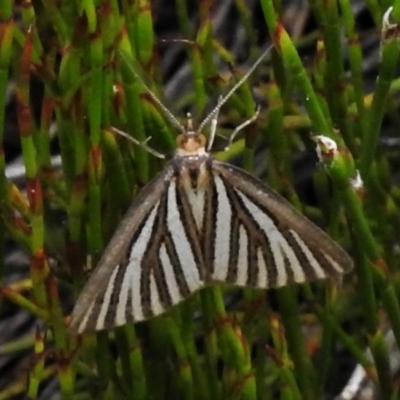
(255, 351)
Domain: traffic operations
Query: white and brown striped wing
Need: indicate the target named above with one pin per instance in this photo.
(260, 240)
(152, 262)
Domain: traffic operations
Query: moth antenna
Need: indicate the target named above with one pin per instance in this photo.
(139, 143)
(235, 87)
(189, 123)
(213, 129)
(160, 104)
(243, 125)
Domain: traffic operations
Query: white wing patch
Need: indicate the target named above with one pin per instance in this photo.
(222, 230)
(262, 270)
(156, 305)
(106, 300)
(242, 257)
(183, 247)
(333, 263)
(319, 272)
(132, 276)
(196, 200)
(169, 274)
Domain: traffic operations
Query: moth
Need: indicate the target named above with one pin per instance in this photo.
(200, 222)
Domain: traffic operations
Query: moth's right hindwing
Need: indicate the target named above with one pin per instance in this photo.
(264, 241)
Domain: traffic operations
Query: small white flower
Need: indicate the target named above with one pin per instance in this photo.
(388, 28)
(386, 24)
(326, 147)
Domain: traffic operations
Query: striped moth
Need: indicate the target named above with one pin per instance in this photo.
(201, 221)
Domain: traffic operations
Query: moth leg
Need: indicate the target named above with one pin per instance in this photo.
(143, 144)
(242, 126)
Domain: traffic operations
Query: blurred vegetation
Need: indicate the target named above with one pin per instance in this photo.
(263, 345)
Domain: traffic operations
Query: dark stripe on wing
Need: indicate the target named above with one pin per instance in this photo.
(151, 264)
(208, 236)
(191, 232)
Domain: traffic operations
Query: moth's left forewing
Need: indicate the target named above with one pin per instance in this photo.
(270, 244)
(104, 284)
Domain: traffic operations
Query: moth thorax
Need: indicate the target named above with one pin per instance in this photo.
(191, 143)
(194, 178)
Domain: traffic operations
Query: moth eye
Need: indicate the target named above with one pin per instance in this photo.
(181, 140)
(202, 140)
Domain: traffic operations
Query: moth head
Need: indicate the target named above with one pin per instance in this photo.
(190, 142)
